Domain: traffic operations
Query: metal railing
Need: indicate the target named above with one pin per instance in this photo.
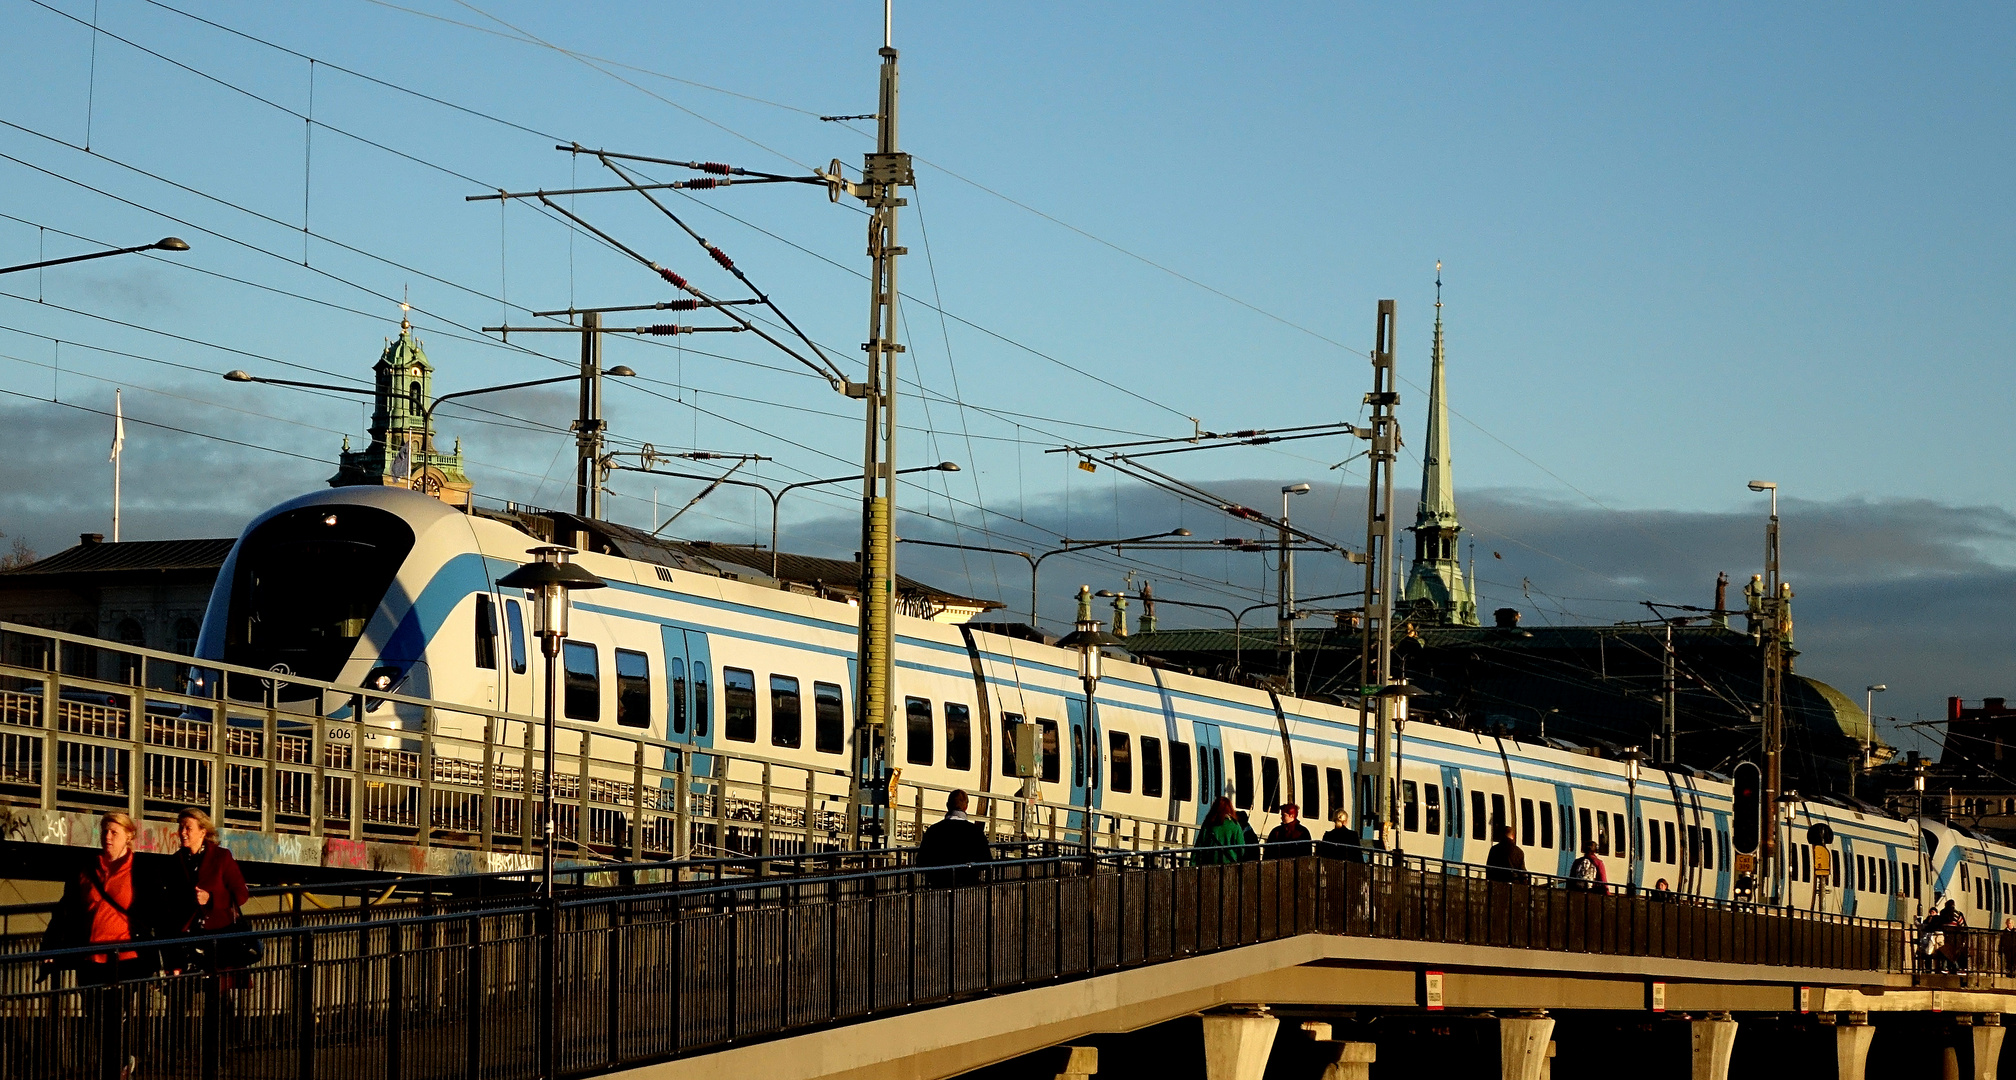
(89, 725)
(646, 974)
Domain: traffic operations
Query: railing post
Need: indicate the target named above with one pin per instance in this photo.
(423, 823)
(763, 819)
(613, 978)
(395, 1001)
(51, 706)
(637, 802)
(487, 809)
(528, 797)
(583, 834)
(304, 1004)
(682, 805)
(213, 1028)
(472, 999)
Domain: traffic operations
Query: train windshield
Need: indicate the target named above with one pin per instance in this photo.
(306, 584)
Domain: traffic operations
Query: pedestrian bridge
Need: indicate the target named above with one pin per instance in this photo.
(803, 970)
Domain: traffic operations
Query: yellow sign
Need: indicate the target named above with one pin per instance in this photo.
(1746, 864)
(1823, 864)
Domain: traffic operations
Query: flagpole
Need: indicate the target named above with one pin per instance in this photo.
(118, 446)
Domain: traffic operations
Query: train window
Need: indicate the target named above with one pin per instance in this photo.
(1333, 784)
(633, 688)
(583, 683)
(1242, 780)
(1526, 833)
(514, 628)
(958, 737)
(703, 706)
(1672, 849)
(1179, 772)
(1008, 722)
(1478, 822)
(738, 704)
(1077, 755)
(1917, 884)
(829, 719)
(1806, 863)
(1270, 785)
(1546, 824)
(1431, 814)
(1053, 767)
(1602, 833)
(1306, 793)
(1210, 790)
(1618, 836)
(787, 718)
(1652, 844)
(1410, 806)
(1497, 814)
(1120, 761)
(678, 695)
(486, 632)
(917, 748)
(1217, 769)
(1588, 833)
(1151, 767)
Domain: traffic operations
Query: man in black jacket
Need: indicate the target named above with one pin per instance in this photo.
(955, 841)
(1290, 839)
(1506, 862)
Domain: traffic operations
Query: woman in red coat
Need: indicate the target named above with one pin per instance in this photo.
(210, 891)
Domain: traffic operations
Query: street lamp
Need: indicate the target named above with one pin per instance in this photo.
(1285, 619)
(548, 581)
(1035, 559)
(1868, 729)
(166, 243)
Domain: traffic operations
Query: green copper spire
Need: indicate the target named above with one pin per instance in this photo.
(1436, 589)
(402, 451)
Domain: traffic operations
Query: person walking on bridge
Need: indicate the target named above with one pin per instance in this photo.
(1506, 862)
(1290, 839)
(955, 841)
(105, 904)
(1221, 840)
(1587, 874)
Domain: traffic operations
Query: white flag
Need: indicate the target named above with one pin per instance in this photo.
(118, 425)
(402, 466)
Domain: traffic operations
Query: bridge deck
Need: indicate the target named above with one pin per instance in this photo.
(654, 973)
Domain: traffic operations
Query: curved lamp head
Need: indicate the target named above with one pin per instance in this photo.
(1763, 485)
(948, 466)
(1295, 489)
(236, 375)
(1180, 532)
(620, 371)
(172, 243)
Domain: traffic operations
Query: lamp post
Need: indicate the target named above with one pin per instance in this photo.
(166, 243)
(1088, 638)
(1285, 620)
(1868, 730)
(1035, 559)
(548, 581)
(776, 495)
(1774, 703)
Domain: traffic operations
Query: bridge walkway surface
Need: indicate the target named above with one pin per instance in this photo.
(897, 972)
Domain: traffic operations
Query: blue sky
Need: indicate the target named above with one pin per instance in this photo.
(1684, 247)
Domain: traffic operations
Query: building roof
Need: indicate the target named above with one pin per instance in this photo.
(131, 556)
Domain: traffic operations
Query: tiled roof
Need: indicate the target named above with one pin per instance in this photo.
(129, 556)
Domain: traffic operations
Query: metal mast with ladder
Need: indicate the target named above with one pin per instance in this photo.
(1376, 643)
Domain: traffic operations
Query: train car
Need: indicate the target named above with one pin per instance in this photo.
(395, 591)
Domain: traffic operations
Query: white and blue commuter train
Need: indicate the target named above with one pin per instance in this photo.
(386, 588)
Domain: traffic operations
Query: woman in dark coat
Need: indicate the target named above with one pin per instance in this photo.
(210, 892)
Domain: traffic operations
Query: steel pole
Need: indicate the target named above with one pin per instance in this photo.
(588, 428)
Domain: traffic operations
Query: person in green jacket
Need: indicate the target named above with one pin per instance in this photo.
(1221, 840)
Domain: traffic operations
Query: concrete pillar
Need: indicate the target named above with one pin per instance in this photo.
(1340, 1060)
(1523, 1045)
(1714, 1038)
(1236, 1045)
(1988, 1032)
(1073, 1062)
(1851, 1046)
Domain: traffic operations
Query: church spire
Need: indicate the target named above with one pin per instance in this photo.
(1435, 582)
(402, 451)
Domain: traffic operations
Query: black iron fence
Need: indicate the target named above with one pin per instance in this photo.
(643, 973)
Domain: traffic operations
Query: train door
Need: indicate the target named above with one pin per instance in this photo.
(1171, 739)
(689, 701)
(1084, 750)
(1452, 814)
(516, 671)
(1718, 827)
(1851, 878)
(1567, 849)
(1210, 768)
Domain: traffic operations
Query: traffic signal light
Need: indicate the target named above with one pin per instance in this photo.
(1749, 807)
